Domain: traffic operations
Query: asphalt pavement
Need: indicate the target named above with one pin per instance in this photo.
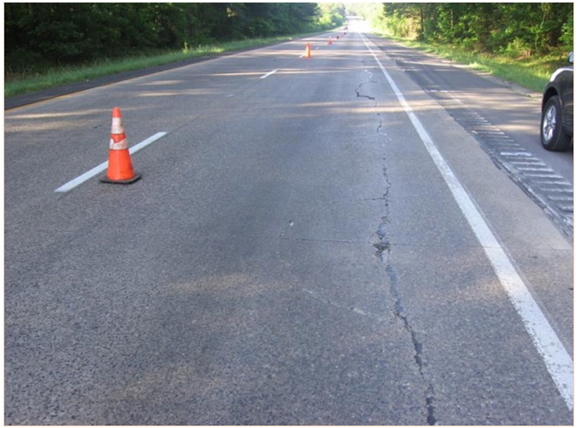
(293, 254)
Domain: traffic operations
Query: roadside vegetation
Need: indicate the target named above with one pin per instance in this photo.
(532, 73)
(20, 82)
(53, 44)
(522, 43)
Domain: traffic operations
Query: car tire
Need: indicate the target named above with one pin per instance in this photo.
(552, 135)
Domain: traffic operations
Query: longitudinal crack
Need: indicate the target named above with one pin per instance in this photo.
(359, 94)
(400, 312)
(383, 251)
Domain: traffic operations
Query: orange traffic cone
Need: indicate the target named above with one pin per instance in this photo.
(330, 41)
(120, 169)
(308, 51)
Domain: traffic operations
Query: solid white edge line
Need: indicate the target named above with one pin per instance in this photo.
(265, 76)
(557, 360)
(97, 169)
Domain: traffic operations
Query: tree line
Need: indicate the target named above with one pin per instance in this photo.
(46, 34)
(515, 29)
(41, 35)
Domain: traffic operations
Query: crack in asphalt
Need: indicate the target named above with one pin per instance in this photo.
(496, 142)
(359, 94)
(401, 314)
(383, 251)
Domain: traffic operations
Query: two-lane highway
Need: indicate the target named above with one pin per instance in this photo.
(298, 251)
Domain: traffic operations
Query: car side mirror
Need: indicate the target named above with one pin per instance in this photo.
(571, 58)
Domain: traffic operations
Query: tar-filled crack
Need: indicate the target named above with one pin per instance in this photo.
(383, 251)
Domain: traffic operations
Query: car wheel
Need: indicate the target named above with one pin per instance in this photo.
(552, 135)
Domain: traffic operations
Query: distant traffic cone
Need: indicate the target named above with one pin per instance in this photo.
(330, 41)
(120, 168)
(308, 51)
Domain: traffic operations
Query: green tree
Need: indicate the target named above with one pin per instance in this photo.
(512, 28)
(39, 35)
(331, 14)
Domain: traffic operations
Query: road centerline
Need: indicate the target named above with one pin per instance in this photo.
(556, 358)
(98, 169)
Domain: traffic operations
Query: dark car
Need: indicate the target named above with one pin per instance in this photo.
(557, 110)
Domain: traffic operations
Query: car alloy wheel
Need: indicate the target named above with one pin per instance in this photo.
(549, 123)
(552, 135)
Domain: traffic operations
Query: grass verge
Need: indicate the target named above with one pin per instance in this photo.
(531, 73)
(25, 83)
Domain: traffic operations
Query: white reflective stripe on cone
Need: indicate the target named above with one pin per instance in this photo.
(121, 145)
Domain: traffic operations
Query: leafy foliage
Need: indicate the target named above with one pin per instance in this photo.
(39, 35)
(515, 29)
